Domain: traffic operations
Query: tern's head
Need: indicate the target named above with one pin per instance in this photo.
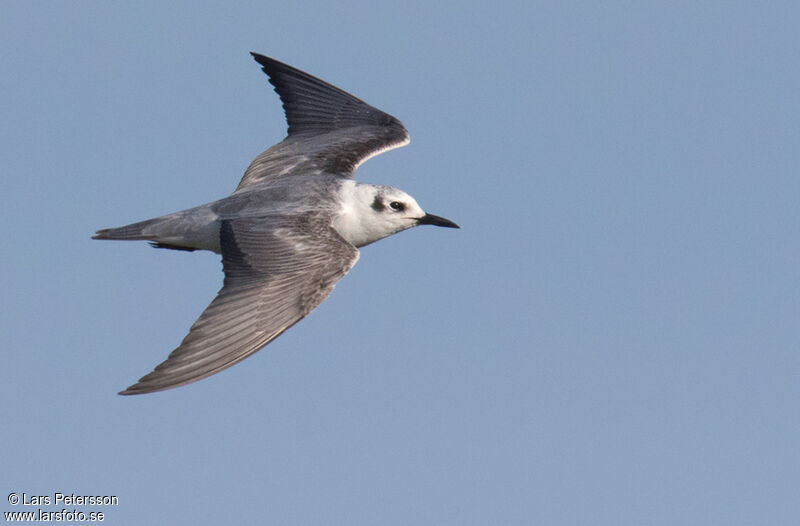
(372, 212)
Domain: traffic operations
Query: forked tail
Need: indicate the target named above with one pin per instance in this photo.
(193, 229)
(134, 231)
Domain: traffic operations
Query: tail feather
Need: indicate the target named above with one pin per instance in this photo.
(134, 231)
(156, 244)
(193, 229)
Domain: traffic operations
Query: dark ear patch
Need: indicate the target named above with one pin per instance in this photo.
(377, 204)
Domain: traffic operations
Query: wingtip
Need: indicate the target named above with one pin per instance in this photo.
(137, 389)
(140, 387)
(262, 59)
(146, 385)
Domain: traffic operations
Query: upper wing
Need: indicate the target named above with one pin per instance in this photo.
(277, 270)
(329, 129)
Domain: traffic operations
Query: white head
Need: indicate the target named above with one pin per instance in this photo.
(372, 212)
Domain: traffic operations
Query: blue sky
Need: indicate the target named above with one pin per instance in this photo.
(611, 338)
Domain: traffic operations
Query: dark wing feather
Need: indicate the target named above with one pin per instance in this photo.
(314, 106)
(277, 270)
(329, 129)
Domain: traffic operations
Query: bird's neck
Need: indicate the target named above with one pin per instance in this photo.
(356, 221)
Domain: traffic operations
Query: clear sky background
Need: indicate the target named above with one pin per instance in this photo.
(611, 338)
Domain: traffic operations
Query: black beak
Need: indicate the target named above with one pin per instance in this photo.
(430, 219)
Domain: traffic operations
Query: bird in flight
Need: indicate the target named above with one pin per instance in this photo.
(290, 230)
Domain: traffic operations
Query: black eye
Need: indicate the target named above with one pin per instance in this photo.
(397, 206)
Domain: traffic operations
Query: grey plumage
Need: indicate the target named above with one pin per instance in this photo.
(329, 129)
(289, 231)
(271, 282)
